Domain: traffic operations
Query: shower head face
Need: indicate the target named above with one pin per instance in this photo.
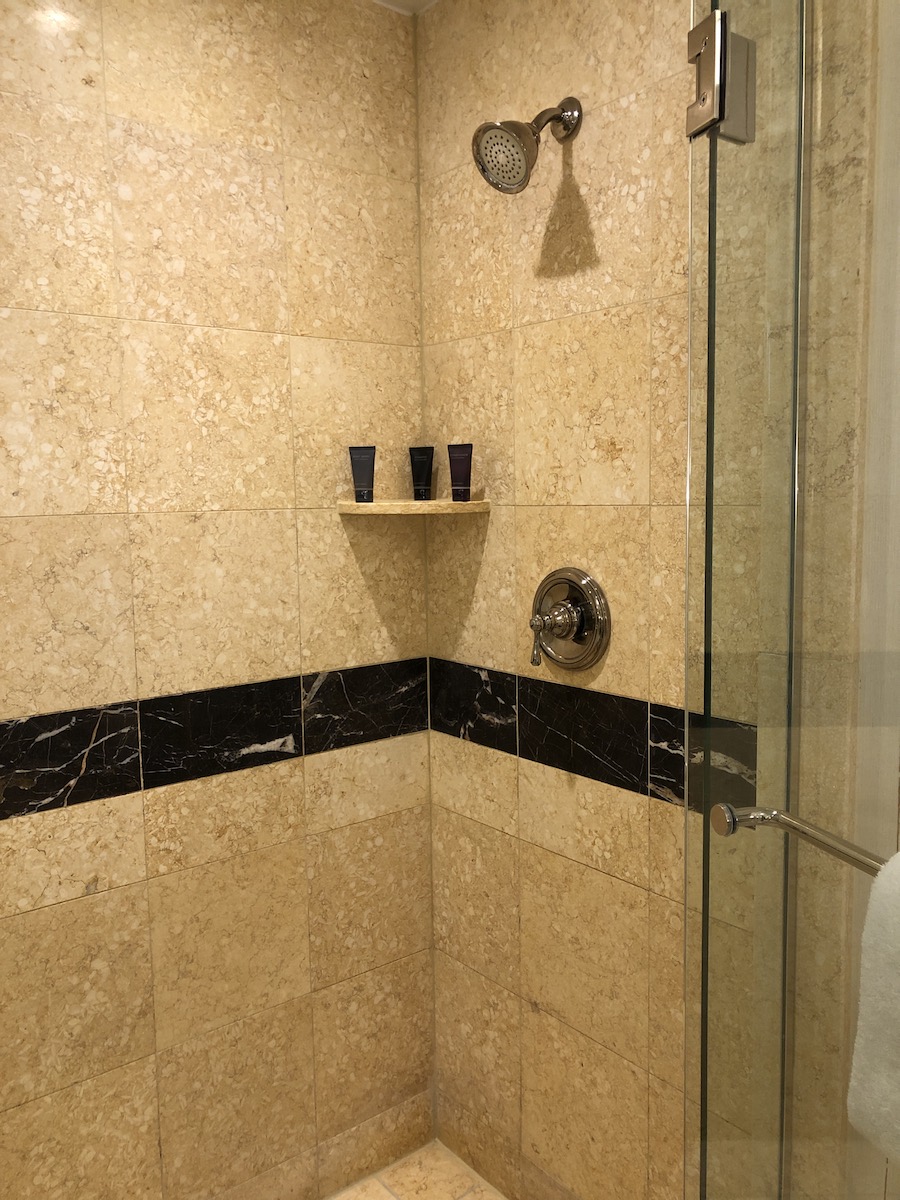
(505, 153)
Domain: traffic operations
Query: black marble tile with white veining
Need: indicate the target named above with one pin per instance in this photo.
(474, 703)
(364, 704)
(667, 764)
(722, 758)
(197, 734)
(57, 759)
(588, 733)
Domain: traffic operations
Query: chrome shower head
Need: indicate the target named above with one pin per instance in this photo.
(506, 151)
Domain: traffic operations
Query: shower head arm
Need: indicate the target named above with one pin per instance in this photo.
(545, 116)
(564, 119)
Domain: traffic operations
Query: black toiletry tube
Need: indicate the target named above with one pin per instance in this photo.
(362, 461)
(461, 470)
(421, 459)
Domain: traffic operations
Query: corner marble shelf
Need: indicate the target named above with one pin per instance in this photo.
(413, 508)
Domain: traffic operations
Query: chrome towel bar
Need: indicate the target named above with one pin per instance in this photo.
(726, 820)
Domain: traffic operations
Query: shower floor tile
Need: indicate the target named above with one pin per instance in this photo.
(432, 1173)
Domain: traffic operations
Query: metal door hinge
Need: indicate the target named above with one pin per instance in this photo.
(726, 81)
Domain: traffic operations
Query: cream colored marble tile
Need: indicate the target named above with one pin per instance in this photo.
(477, 1028)
(373, 1043)
(89, 962)
(57, 237)
(363, 565)
(468, 397)
(69, 852)
(358, 783)
(291, 1180)
(478, 1143)
(476, 896)
(611, 543)
(584, 1110)
(199, 229)
(373, 1144)
(744, 374)
(67, 639)
(668, 534)
(585, 950)
(369, 895)
(361, 57)
(54, 52)
(670, 160)
(353, 394)
(475, 781)
(207, 415)
(667, 849)
(582, 231)
(667, 36)
(737, 547)
(667, 990)
(668, 400)
(466, 257)
(215, 599)
(204, 820)
(237, 1102)
(98, 1138)
(594, 823)
(208, 69)
(583, 409)
(352, 254)
(471, 588)
(368, 1189)
(665, 1178)
(61, 437)
(432, 1172)
(229, 939)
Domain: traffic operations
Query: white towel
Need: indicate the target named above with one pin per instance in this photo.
(873, 1098)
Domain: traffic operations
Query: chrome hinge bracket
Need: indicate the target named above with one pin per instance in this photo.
(726, 81)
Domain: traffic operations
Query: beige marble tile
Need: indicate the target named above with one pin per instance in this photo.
(352, 254)
(466, 257)
(599, 825)
(433, 1172)
(215, 599)
(582, 230)
(61, 436)
(199, 229)
(468, 397)
(99, 1138)
(585, 950)
(667, 849)
(207, 415)
(667, 36)
(375, 1143)
(373, 1043)
(53, 53)
(479, 1143)
(744, 374)
(57, 237)
(203, 820)
(669, 400)
(670, 161)
(208, 69)
(737, 550)
(611, 543)
(291, 1180)
(477, 1030)
(363, 565)
(584, 1110)
(668, 537)
(67, 639)
(369, 895)
(368, 1189)
(237, 1102)
(361, 57)
(229, 939)
(69, 852)
(476, 896)
(667, 1035)
(358, 783)
(353, 394)
(665, 1177)
(89, 962)
(471, 588)
(475, 781)
(583, 409)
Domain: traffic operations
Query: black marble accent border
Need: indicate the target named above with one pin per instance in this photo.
(197, 734)
(474, 703)
(731, 748)
(58, 759)
(594, 734)
(666, 750)
(364, 704)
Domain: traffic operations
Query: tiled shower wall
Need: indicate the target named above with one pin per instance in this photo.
(555, 339)
(209, 288)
